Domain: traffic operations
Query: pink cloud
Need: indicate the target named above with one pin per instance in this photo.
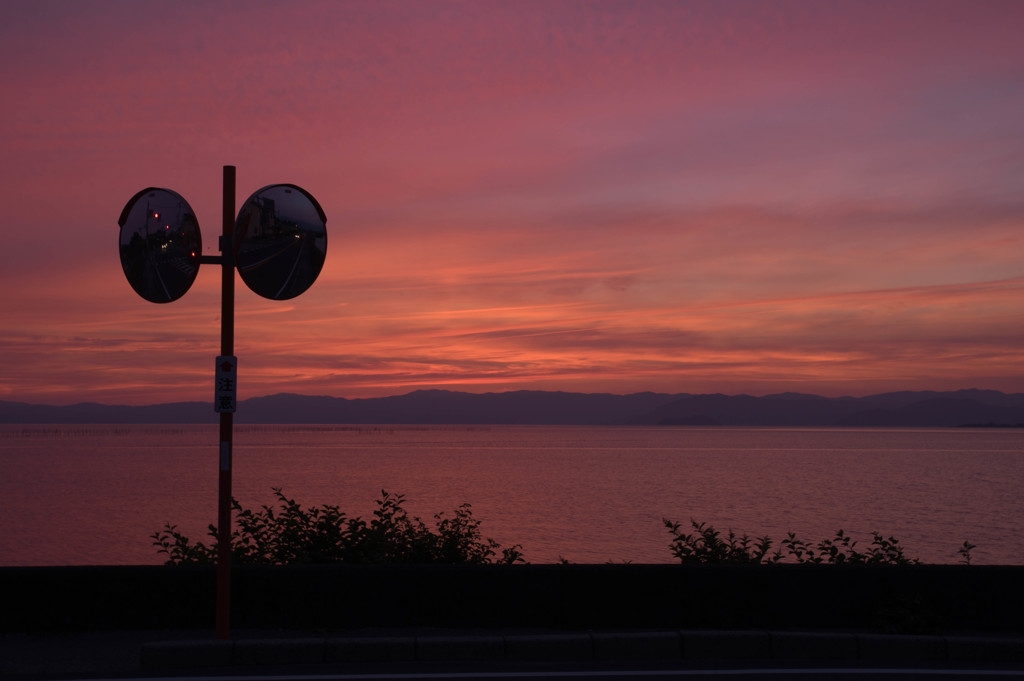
(615, 196)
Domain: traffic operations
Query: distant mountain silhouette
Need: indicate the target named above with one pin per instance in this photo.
(960, 408)
(524, 407)
(529, 407)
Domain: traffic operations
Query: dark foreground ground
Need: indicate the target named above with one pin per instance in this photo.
(76, 622)
(176, 653)
(919, 599)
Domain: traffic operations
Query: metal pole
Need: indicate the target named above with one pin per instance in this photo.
(227, 348)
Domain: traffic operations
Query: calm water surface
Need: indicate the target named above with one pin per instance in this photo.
(80, 495)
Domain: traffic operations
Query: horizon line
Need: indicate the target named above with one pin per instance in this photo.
(521, 390)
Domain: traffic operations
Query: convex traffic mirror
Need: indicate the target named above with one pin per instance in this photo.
(280, 241)
(160, 244)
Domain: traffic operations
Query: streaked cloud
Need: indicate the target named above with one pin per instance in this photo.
(686, 197)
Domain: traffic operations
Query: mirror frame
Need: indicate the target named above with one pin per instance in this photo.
(149, 261)
(239, 239)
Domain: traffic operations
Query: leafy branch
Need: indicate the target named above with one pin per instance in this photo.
(705, 544)
(288, 533)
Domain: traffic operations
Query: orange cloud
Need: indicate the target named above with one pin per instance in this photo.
(679, 197)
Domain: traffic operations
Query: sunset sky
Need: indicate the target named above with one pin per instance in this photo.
(738, 197)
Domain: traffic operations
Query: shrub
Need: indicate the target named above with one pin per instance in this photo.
(706, 545)
(288, 534)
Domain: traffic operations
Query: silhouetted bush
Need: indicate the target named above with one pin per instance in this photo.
(707, 545)
(290, 534)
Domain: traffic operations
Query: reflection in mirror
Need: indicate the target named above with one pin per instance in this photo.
(280, 241)
(160, 244)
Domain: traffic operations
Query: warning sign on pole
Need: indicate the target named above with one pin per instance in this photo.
(225, 384)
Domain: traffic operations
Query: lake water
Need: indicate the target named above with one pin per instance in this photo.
(93, 495)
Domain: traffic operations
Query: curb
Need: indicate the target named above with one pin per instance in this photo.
(649, 645)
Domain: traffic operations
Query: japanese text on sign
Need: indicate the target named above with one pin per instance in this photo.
(225, 384)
